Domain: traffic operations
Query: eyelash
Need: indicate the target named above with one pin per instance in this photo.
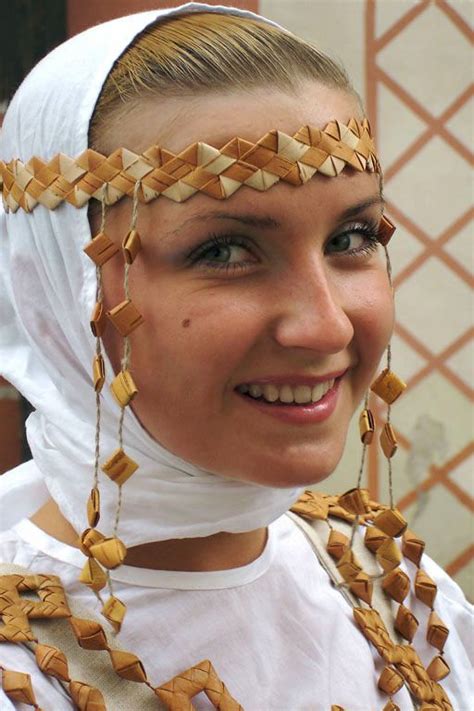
(368, 229)
(220, 240)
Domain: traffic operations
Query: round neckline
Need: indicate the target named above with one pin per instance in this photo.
(145, 577)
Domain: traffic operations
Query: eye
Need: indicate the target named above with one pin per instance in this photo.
(356, 239)
(223, 252)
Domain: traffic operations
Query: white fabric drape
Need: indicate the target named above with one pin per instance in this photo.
(47, 292)
(280, 635)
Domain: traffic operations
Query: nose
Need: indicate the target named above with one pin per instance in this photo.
(311, 312)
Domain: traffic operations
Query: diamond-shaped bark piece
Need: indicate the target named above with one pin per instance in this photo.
(388, 555)
(388, 386)
(437, 633)
(114, 611)
(125, 317)
(362, 587)
(425, 588)
(388, 440)
(412, 546)
(391, 522)
(89, 633)
(127, 665)
(88, 538)
(119, 467)
(374, 538)
(337, 544)
(93, 575)
(52, 661)
(17, 686)
(110, 552)
(396, 584)
(98, 373)
(366, 426)
(390, 681)
(355, 501)
(178, 692)
(131, 246)
(86, 697)
(123, 388)
(93, 507)
(406, 623)
(312, 505)
(101, 249)
(348, 566)
(438, 668)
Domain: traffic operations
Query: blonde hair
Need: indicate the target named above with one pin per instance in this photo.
(210, 52)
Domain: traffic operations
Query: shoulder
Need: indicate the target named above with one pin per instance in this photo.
(383, 570)
(385, 536)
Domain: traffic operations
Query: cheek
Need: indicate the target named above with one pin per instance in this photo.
(194, 343)
(372, 316)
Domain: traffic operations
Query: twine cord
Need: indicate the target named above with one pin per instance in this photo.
(364, 448)
(126, 355)
(99, 295)
(390, 483)
(355, 523)
(133, 222)
(103, 208)
(99, 597)
(389, 266)
(389, 365)
(98, 351)
(109, 586)
(372, 578)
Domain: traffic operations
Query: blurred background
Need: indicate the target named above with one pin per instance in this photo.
(410, 61)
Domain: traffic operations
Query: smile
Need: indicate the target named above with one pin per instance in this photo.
(297, 404)
(287, 394)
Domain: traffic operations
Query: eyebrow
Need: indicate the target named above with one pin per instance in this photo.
(267, 222)
(361, 206)
(246, 219)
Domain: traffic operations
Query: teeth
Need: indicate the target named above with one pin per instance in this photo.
(287, 394)
(270, 392)
(302, 394)
(317, 392)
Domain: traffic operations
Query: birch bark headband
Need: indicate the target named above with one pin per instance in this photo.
(217, 172)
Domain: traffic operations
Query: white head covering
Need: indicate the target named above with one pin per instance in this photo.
(47, 292)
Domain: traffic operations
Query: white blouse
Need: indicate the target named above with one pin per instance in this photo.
(279, 635)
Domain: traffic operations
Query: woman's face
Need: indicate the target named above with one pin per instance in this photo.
(274, 289)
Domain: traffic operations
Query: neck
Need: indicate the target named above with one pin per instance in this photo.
(221, 551)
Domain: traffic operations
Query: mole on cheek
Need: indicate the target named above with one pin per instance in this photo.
(186, 323)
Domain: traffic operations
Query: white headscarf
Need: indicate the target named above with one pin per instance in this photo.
(47, 292)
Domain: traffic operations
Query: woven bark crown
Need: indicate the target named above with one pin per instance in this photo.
(199, 168)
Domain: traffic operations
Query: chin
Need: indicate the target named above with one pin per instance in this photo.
(290, 473)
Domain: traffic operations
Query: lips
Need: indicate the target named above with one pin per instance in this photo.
(291, 388)
(295, 413)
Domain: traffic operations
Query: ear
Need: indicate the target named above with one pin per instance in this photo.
(386, 230)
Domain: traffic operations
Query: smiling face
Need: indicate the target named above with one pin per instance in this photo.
(276, 293)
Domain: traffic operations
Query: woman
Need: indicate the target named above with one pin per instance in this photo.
(251, 330)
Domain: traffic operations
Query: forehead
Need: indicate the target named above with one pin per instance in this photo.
(177, 122)
(216, 119)
(322, 201)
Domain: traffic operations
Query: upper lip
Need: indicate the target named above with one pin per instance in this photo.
(293, 379)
